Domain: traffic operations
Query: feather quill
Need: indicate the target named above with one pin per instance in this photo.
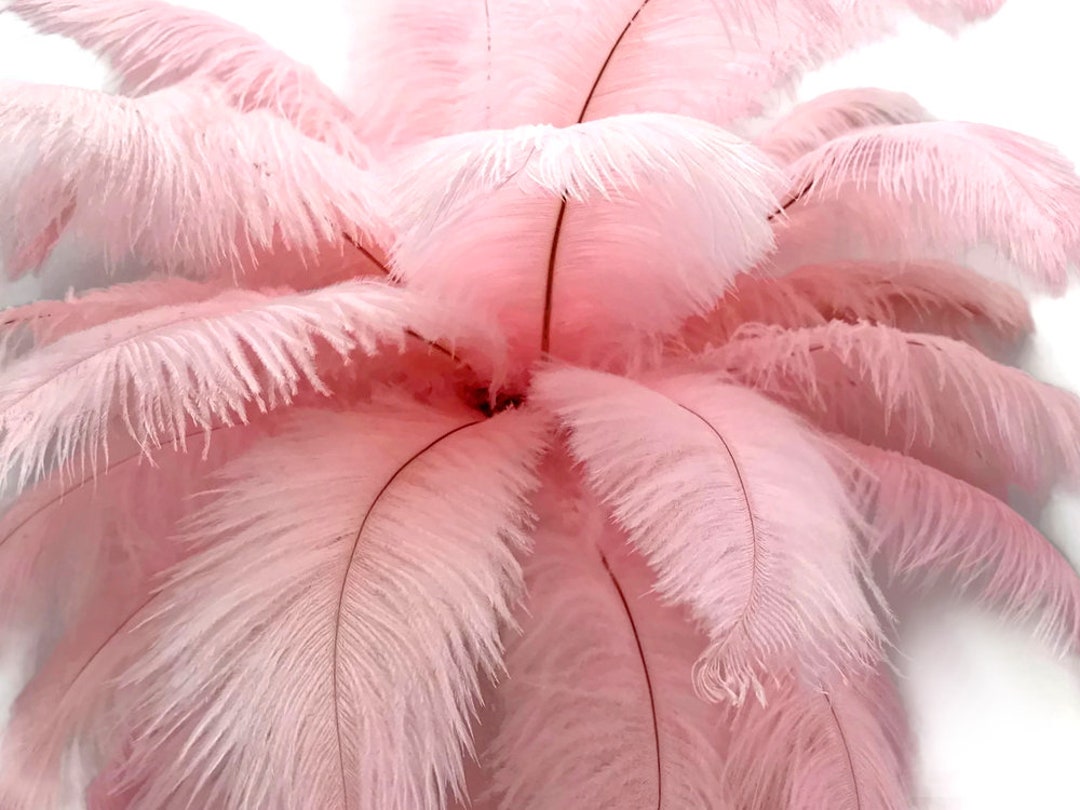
(565, 236)
(687, 466)
(350, 612)
(598, 708)
(838, 744)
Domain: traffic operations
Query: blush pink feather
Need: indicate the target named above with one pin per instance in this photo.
(533, 429)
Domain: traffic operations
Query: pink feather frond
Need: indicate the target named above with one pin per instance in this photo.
(517, 62)
(813, 123)
(175, 178)
(938, 399)
(931, 297)
(947, 187)
(925, 526)
(199, 363)
(153, 45)
(839, 744)
(688, 466)
(596, 236)
(598, 707)
(351, 610)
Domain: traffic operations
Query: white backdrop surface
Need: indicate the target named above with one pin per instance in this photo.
(997, 718)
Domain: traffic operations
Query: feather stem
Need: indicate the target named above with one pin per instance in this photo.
(549, 281)
(382, 268)
(755, 541)
(648, 681)
(335, 646)
(847, 748)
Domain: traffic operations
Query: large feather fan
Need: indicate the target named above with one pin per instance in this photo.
(533, 430)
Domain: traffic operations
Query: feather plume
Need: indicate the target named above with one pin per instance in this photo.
(932, 297)
(153, 45)
(175, 177)
(939, 400)
(597, 707)
(686, 467)
(490, 65)
(946, 187)
(813, 123)
(516, 62)
(507, 225)
(838, 744)
(163, 369)
(350, 610)
(925, 526)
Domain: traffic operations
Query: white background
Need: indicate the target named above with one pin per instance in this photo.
(998, 720)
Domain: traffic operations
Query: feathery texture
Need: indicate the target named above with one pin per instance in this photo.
(933, 297)
(930, 396)
(837, 744)
(687, 466)
(174, 177)
(341, 668)
(816, 122)
(161, 370)
(601, 672)
(108, 536)
(570, 340)
(925, 525)
(509, 222)
(943, 187)
(153, 45)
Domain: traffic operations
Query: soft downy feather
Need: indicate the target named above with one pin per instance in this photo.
(939, 400)
(813, 123)
(325, 643)
(152, 45)
(597, 708)
(594, 60)
(85, 554)
(175, 177)
(718, 60)
(924, 526)
(838, 744)
(495, 224)
(687, 465)
(937, 189)
(164, 369)
(932, 297)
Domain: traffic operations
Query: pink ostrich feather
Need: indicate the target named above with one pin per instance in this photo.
(546, 425)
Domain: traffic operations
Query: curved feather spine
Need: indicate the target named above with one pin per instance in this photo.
(598, 708)
(678, 462)
(418, 630)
